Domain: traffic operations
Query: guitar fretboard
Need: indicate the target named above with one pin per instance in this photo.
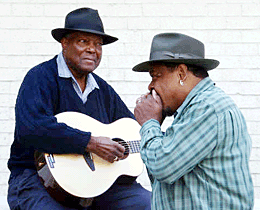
(134, 146)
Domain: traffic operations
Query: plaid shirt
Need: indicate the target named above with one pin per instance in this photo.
(202, 160)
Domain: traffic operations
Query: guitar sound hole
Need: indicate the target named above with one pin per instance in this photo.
(123, 143)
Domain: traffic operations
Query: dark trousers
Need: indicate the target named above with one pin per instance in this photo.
(26, 192)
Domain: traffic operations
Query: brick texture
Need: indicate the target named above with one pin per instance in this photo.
(229, 29)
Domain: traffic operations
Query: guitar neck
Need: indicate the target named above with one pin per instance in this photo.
(134, 146)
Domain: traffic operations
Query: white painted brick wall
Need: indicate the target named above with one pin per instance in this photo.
(230, 30)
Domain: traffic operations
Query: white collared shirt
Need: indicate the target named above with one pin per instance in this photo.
(64, 72)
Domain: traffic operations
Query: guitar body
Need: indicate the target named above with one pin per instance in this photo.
(74, 175)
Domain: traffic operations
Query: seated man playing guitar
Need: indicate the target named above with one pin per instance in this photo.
(67, 83)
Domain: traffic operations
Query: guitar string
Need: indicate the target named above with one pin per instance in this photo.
(134, 145)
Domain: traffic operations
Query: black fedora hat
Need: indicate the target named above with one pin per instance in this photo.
(84, 20)
(176, 48)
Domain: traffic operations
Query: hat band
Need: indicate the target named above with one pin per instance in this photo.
(164, 55)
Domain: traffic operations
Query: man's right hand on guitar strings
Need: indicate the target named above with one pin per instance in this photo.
(106, 148)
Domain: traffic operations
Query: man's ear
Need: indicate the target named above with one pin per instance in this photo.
(64, 43)
(182, 72)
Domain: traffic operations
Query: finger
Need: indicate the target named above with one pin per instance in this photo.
(139, 100)
(120, 147)
(119, 154)
(119, 150)
(149, 96)
(111, 159)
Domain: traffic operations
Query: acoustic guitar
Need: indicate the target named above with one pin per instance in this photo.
(88, 175)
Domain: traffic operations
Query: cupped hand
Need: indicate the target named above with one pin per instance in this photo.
(148, 106)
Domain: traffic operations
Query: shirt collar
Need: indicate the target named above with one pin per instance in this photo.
(200, 87)
(64, 72)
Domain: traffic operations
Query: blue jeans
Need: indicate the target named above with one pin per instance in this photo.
(26, 192)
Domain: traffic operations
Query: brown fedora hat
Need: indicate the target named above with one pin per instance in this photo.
(176, 48)
(84, 20)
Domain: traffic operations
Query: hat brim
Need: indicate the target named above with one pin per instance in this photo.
(207, 64)
(59, 33)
